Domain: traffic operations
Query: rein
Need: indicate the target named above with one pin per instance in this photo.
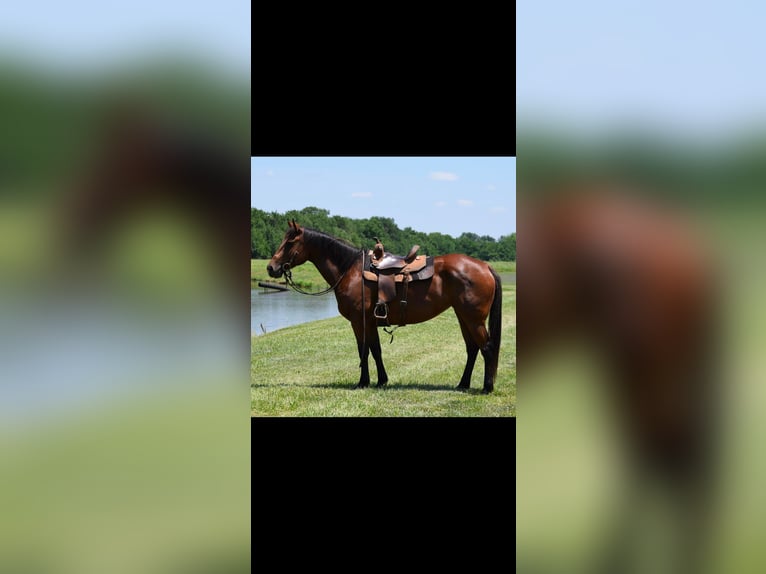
(291, 283)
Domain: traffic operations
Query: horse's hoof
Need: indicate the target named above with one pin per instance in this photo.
(381, 385)
(361, 386)
(462, 388)
(487, 390)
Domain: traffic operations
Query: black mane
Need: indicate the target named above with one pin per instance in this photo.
(341, 252)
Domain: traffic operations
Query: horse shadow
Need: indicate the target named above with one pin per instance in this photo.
(392, 387)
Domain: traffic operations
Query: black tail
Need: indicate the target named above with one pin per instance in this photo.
(495, 324)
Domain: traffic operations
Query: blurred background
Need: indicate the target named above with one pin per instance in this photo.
(636, 123)
(123, 161)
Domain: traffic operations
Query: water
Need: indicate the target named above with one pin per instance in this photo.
(63, 356)
(278, 309)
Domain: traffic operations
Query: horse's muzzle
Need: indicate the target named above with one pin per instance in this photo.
(274, 272)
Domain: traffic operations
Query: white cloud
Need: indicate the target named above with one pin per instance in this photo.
(498, 209)
(362, 194)
(465, 202)
(440, 203)
(270, 172)
(491, 187)
(443, 176)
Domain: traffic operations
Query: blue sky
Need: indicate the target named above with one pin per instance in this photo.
(678, 66)
(446, 194)
(82, 34)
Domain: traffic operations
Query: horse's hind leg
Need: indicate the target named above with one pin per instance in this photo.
(377, 354)
(473, 350)
(477, 339)
(489, 382)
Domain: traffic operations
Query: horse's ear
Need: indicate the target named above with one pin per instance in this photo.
(291, 223)
(297, 227)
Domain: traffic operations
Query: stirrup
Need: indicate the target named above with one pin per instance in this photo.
(384, 306)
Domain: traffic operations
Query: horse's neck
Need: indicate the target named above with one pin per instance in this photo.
(328, 269)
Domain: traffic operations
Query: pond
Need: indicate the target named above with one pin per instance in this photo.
(271, 310)
(62, 355)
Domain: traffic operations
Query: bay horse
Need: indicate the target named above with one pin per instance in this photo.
(144, 162)
(471, 287)
(637, 281)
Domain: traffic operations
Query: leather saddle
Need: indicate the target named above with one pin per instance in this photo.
(389, 270)
(391, 261)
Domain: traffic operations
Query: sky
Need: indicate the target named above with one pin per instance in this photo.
(449, 195)
(679, 66)
(82, 34)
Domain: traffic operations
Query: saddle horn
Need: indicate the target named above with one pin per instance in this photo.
(377, 252)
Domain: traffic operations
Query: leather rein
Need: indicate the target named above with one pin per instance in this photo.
(289, 279)
(291, 283)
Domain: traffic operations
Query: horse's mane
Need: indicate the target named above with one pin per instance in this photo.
(342, 253)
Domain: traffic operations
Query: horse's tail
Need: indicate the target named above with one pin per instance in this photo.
(495, 324)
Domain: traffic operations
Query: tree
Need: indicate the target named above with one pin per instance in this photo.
(467, 243)
(507, 247)
(268, 229)
(440, 244)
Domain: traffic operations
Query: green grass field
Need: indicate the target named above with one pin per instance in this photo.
(504, 266)
(310, 370)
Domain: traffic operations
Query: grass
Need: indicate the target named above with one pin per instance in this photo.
(504, 266)
(305, 276)
(144, 491)
(311, 369)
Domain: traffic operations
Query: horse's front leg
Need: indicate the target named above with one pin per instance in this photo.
(377, 354)
(363, 346)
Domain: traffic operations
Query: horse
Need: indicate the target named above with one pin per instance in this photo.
(637, 281)
(471, 287)
(143, 162)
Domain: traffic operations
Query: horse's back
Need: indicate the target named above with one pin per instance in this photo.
(462, 266)
(614, 262)
(466, 281)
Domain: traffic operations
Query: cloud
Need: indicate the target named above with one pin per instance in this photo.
(465, 202)
(498, 209)
(491, 187)
(443, 176)
(270, 172)
(362, 194)
(440, 203)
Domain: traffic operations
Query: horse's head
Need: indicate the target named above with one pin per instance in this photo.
(291, 251)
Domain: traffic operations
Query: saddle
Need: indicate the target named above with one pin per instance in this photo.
(383, 260)
(388, 270)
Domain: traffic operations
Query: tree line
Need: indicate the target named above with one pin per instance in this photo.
(268, 228)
